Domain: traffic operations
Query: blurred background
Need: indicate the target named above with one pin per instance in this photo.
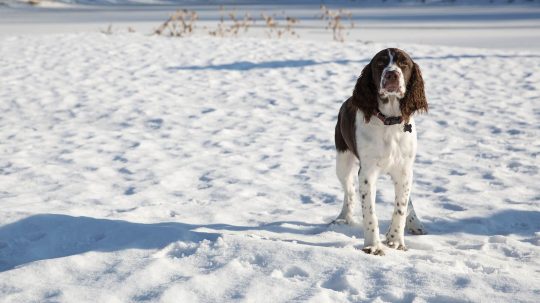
(500, 24)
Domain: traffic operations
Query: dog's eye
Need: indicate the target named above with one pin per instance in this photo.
(402, 63)
(380, 63)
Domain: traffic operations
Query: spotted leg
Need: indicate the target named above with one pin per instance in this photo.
(395, 237)
(372, 241)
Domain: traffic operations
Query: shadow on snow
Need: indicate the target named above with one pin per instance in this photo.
(49, 236)
(506, 222)
(246, 65)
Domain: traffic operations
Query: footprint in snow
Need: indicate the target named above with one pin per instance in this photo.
(488, 176)
(339, 282)
(462, 282)
(457, 173)
(453, 207)
(125, 171)
(495, 130)
(296, 273)
(513, 132)
(442, 123)
(207, 110)
(306, 199)
(258, 260)
(154, 123)
(120, 159)
(439, 189)
(130, 191)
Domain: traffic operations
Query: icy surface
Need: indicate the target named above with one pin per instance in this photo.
(147, 169)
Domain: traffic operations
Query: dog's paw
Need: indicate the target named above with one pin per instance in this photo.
(376, 250)
(396, 245)
(395, 241)
(417, 231)
(402, 247)
(342, 221)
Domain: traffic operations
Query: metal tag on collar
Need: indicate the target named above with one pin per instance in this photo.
(392, 120)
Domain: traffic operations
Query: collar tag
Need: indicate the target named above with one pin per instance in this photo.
(407, 128)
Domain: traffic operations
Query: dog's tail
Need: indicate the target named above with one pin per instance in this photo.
(413, 225)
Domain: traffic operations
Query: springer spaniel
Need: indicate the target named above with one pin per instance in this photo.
(376, 134)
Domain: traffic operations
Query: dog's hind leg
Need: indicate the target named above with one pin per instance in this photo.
(413, 224)
(346, 168)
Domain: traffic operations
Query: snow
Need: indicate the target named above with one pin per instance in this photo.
(138, 168)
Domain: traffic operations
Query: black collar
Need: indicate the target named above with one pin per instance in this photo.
(388, 120)
(393, 120)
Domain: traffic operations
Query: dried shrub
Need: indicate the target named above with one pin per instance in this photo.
(179, 24)
(108, 31)
(334, 19)
(275, 30)
(233, 26)
(289, 26)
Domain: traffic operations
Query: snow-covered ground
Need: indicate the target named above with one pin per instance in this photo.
(139, 168)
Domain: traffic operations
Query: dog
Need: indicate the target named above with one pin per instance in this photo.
(376, 134)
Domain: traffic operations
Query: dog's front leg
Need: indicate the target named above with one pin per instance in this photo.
(372, 241)
(395, 237)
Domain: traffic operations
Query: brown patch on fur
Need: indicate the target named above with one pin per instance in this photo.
(345, 134)
(415, 97)
(365, 93)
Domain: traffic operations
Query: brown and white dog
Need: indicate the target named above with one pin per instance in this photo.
(375, 134)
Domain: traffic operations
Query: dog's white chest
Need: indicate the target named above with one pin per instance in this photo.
(386, 146)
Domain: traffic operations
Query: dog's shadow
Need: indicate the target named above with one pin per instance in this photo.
(505, 222)
(49, 236)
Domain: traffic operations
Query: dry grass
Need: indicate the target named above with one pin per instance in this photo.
(110, 30)
(179, 24)
(107, 31)
(334, 19)
(274, 29)
(233, 25)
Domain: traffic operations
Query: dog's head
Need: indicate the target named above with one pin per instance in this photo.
(390, 74)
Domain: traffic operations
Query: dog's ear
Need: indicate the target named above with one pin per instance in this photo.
(415, 97)
(365, 93)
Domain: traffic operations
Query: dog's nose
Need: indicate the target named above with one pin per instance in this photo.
(391, 75)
